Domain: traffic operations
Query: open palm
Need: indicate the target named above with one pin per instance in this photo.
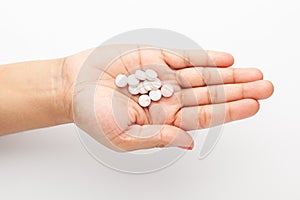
(207, 93)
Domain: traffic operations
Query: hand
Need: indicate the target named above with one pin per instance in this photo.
(203, 86)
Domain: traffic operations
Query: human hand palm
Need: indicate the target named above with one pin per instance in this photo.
(201, 80)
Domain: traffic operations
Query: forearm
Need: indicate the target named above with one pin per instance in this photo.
(32, 95)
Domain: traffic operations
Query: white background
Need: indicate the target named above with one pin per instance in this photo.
(256, 158)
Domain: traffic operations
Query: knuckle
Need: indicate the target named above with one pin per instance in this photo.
(186, 58)
(179, 78)
(213, 94)
(207, 76)
(122, 142)
(177, 119)
(200, 75)
(165, 138)
(204, 117)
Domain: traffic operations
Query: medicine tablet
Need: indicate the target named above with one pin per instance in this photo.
(155, 95)
(151, 74)
(147, 85)
(156, 84)
(133, 90)
(140, 75)
(141, 89)
(144, 100)
(131, 80)
(121, 80)
(167, 90)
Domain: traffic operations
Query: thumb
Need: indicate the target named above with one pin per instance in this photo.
(151, 136)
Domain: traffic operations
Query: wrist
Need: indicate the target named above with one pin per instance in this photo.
(65, 86)
(49, 91)
(69, 69)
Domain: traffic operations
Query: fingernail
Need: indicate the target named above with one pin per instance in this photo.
(186, 148)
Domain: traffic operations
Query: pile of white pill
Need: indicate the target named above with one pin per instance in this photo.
(147, 84)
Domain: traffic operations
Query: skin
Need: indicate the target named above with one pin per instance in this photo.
(45, 93)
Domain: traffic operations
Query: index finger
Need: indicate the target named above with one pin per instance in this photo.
(178, 59)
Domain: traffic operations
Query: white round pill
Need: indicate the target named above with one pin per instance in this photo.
(167, 90)
(121, 80)
(131, 80)
(140, 75)
(155, 95)
(156, 84)
(151, 74)
(141, 89)
(144, 100)
(147, 85)
(133, 90)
